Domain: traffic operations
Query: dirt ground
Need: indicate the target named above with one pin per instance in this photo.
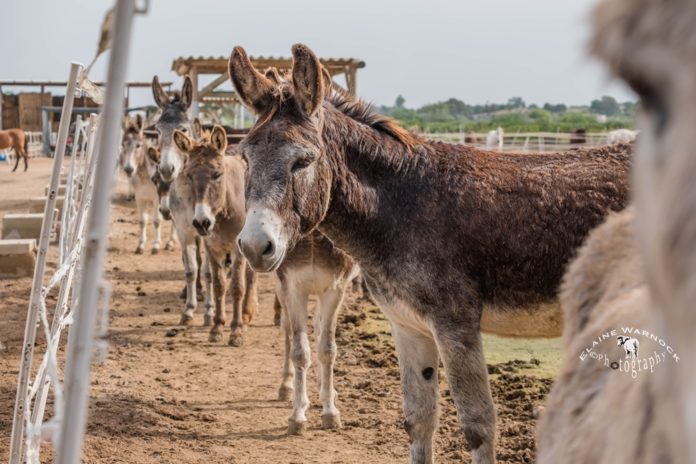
(160, 399)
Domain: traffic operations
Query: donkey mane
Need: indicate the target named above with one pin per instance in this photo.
(354, 108)
(365, 113)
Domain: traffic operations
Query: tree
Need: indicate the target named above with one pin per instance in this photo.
(516, 102)
(607, 106)
(400, 100)
(559, 108)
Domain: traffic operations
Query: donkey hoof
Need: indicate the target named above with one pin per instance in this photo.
(185, 319)
(154, 251)
(214, 337)
(169, 246)
(235, 340)
(285, 393)
(139, 251)
(207, 320)
(331, 421)
(296, 428)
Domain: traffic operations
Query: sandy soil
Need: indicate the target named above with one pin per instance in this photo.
(160, 399)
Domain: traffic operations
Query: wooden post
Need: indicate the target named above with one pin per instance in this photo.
(194, 103)
(46, 129)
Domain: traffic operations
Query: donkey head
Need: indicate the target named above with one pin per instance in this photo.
(289, 177)
(174, 117)
(204, 170)
(132, 145)
(153, 155)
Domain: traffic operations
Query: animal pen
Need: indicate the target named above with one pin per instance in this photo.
(83, 296)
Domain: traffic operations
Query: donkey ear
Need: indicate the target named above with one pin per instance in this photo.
(253, 88)
(197, 128)
(161, 97)
(307, 78)
(272, 74)
(328, 81)
(187, 93)
(139, 123)
(182, 141)
(218, 137)
(154, 154)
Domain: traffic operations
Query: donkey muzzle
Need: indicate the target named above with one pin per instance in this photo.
(260, 240)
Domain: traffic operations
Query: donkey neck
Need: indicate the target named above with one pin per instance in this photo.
(377, 184)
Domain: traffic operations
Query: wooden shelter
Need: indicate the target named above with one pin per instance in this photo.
(217, 66)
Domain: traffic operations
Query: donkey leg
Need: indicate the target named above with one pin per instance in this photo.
(238, 285)
(288, 373)
(131, 190)
(251, 297)
(200, 257)
(143, 231)
(171, 243)
(295, 306)
(157, 221)
(418, 363)
(217, 269)
(25, 155)
(327, 313)
(191, 267)
(465, 366)
(277, 310)
(209, 304)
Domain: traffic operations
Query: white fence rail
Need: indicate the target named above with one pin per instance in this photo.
(526, 141)
(82, 295)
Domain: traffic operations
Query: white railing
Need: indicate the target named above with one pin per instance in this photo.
(526, 141)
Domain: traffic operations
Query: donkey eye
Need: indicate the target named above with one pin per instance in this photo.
(301, 164)
(217, 175)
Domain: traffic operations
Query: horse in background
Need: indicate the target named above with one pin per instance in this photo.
(16, 140)
(494, 139)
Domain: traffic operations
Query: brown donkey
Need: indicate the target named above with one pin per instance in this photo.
(451, 239)
(217, 193)
(15, 139)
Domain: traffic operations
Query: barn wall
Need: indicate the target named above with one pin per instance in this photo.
(10, 111)
(29, 105)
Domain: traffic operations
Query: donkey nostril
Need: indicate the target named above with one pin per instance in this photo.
(269, 249)
(206, 224)
(196, 224)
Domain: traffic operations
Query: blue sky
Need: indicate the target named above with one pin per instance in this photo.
(427, 51)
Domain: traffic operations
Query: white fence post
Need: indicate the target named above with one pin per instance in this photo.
(39, 271)
(80, 339)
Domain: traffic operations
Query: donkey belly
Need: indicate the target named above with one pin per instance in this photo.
(537, 320)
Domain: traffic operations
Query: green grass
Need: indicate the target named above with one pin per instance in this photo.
(498, 350)
(547, 350)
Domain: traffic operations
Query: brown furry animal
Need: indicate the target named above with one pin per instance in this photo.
(593, 414)
(451, 239)
(15, 139)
